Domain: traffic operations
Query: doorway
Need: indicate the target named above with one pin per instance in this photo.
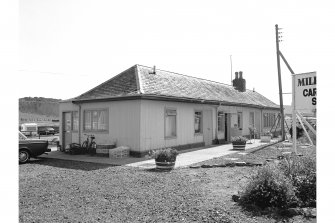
(66, 127)
(227, 127)
(208, 127)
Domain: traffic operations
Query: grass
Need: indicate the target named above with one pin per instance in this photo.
(53, 190)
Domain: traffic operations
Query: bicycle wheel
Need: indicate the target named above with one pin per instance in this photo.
(85, 146)
(93, 148)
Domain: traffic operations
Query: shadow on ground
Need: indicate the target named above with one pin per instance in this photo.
(69, 164)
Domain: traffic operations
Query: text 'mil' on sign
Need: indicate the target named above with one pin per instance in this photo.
(305, 91)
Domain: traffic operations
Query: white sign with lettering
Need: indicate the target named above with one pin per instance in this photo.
(304, 87)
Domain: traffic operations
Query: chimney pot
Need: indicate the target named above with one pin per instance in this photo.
(239, 82)
(236, 75)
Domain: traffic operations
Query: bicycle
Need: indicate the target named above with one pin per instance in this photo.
(90, 146)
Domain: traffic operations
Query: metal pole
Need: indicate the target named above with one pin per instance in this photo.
(280, 87)
(285, 61)
(231, 70)
(294, 117)
(302, 125)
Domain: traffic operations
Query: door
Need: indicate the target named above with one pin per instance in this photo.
(208, 127)
(67, 123)
(227, 127)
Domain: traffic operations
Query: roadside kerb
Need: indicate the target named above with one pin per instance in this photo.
(189, 158)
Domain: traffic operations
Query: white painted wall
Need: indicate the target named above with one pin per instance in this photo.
(152, 124)
(139, 124)
(124, 122)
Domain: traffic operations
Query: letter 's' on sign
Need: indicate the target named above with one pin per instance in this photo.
(304, 91)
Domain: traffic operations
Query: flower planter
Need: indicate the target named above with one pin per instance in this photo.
(265, 138)
(239, 145)
(165, 165)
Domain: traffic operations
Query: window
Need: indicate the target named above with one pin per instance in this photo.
(68, 121)
(170, 123)
(198, 122)
(269, 119)
(239, 120)
(75, 121)
(96, 120)
(87, 120)
(220, 121)
(251, 119)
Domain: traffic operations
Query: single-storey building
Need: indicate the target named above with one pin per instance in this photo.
(145, 108)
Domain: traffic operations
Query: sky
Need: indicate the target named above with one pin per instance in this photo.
(67, 47)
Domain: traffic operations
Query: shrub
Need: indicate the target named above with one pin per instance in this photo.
(268, 133)
(302, 172)
(300, 131)
(239, 139)
(164, 155)
(304, 139)
(269, 188)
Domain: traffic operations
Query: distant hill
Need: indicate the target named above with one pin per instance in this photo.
(38, 109)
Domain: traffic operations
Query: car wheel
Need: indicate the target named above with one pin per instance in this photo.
(24, 156)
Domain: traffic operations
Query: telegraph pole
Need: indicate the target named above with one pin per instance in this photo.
(280, 86)
(231, 71)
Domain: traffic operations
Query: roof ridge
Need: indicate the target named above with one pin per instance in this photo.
(193, 77)
(138, 80)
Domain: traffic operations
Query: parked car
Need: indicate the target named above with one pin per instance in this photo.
(56, 128)
(46, 131)
(31, 148)
(29, 129)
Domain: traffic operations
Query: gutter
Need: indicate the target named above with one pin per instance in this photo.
(169, 98)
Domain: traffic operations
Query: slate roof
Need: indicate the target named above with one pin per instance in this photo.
(138, 81)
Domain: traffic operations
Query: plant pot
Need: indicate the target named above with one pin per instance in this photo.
(265, 138)
(165, 165)
(239, 145)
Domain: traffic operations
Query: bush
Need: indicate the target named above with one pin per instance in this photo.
(238, 139)
(302, 173)
(269, 188)
(164, 155)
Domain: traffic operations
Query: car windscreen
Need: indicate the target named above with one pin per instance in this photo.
(21, 136)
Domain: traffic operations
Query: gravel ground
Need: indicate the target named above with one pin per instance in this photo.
(259, 156)
(53, 190)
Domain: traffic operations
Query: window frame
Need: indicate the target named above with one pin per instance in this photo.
(201, 122)
(223, 117)
(165, 116)
(269, 119)
(240, 124)
(92, 110)
(253, 119)
(72, 121)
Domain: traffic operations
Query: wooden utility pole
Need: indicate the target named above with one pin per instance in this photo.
(280, 87)
(231, 71)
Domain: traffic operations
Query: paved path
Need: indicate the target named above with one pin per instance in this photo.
(185, 158)
(189, 158)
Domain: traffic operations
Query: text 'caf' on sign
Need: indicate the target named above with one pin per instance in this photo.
(305, 91)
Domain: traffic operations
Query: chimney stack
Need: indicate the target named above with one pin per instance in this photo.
(239, 82)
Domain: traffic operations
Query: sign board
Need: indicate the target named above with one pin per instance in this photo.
(304, 91)
(303, 99)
